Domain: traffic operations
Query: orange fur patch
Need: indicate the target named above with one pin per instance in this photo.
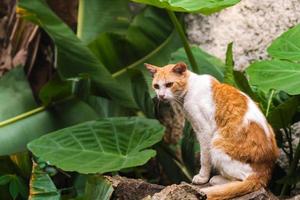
(166, 74)
(248, 144)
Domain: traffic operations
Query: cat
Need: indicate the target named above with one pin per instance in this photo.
(234, 136)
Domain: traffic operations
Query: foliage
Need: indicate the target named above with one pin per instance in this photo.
(207, 64)
(280, 74)
(41, 185)
(201, 6)
(286, 47)
(275, 74)
(106, 145)
(73, 56)
(98, 114)
(16, 185)
(98, 188)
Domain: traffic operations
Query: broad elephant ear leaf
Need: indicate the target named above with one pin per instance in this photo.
(16, 95)
(15, 136)
(207, 63)
(150, 37)
(100, 146)
(73, 57)
(282, 115)
(287, 46)
(148, 30)
(275, 74)
(17, 98)
(141, 93)
(199, 6)
(100, 16)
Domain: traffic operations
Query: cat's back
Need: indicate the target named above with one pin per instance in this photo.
(243, 131)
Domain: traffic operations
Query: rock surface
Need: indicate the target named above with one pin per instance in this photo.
(136, 189)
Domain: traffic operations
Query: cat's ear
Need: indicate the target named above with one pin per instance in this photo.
(151, 68)
(179, 68)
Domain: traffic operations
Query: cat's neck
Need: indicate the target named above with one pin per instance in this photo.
(197, 84)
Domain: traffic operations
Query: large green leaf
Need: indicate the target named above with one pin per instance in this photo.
(147, 31)
(207, 63)
(107, 108)
(281, 116)
(201, 6)
(174, 170)
(275, 74)
(41, 186)
(73, 57)
(287, 46)
(99, 16)
(141, 94)
(100, 146)
(15, 96)
(15, 136)
(55, 90)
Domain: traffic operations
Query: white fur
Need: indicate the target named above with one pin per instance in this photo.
(254, 114)
(199, 107)
(163, 90)
(229, 168)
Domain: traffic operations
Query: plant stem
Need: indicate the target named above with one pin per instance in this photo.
(22, 116)
(292, 169)
(184, 40)
(80, 19)
(269, 102)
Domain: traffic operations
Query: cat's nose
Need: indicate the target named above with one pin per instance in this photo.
(161, 96)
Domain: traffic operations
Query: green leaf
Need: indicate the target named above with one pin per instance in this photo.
(207, 63)
(16, 96)
(56, 89)
(149, 37)
(141, 94)
(275, 74)
(98, 188)
(200, 6)
(5, 179)
(99, 16)
(100, 146)
(287, 46)
(22, 187)
(282, 115)
(107, 108)
(228, 74)
(15, 136)
(22, 161)
(73, 57)
(243, 84)
(41, 186)
(171, 166)
(13, 188)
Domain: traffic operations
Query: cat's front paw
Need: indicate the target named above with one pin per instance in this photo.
(198, 179)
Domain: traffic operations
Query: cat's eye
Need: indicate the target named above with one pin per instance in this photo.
(170, 84)
(156, 86)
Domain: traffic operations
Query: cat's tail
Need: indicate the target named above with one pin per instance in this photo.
(235, 188)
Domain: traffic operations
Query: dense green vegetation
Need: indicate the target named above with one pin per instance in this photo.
(98, 113)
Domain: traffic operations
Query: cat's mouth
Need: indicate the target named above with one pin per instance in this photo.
(163, 99)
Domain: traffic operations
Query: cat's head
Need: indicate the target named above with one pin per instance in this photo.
(170, 81)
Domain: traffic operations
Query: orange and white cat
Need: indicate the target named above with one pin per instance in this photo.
(234, 135)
